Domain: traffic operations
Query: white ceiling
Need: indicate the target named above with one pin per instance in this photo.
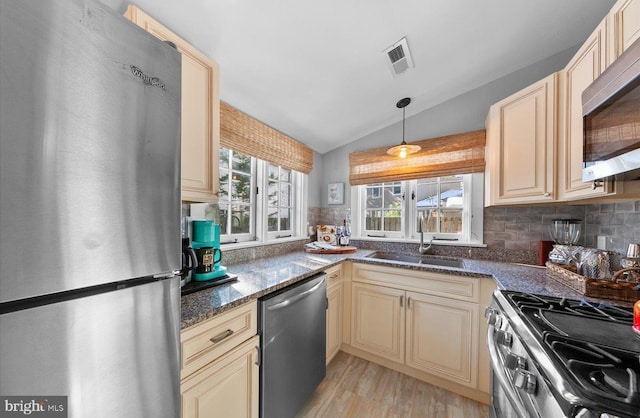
(315, 70)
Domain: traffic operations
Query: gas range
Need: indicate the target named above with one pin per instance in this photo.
(554, 357)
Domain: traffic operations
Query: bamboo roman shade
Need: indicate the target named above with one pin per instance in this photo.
(240, 132)
(444, 156)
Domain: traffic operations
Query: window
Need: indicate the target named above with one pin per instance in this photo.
(280, 207)
(259, 201)
(236, 200)
(452, 209)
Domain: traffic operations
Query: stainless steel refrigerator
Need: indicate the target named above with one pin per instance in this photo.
(89, 210)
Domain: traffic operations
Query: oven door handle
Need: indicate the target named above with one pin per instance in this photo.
(501, 374)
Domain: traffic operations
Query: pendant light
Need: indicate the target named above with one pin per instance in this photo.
(403, 149)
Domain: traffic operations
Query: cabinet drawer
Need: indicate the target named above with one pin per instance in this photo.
(334, 274)
(206, 341)
(439, 284)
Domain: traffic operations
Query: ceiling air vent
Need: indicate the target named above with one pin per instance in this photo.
(399, 58)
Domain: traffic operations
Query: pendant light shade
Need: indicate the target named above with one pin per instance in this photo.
(403, 149)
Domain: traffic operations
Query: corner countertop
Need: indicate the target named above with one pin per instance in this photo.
(259, 277)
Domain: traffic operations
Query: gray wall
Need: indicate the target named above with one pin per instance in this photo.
(316, 179)
(463, 113)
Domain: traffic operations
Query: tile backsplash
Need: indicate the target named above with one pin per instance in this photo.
(513, 233)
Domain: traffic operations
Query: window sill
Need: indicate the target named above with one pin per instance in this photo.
(250, 244)
(426, 241)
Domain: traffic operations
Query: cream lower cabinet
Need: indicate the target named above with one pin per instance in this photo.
(228, 387)
(521, 146)
(220, 365)
(442, 337)
(424, 324)
(200, 130)
(377, 321)
(335, 298)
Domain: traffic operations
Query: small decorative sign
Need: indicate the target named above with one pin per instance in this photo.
(336, 194)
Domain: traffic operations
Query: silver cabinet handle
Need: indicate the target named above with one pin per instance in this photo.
(401, 300)
(297, 297)
(222, 336)
(409, 302)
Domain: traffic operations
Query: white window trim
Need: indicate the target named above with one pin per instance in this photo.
(472, 214)
(260, 235)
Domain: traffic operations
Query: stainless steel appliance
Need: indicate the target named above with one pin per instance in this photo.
(555, 357)
(611, 110)
(89, 210)
(292, 326)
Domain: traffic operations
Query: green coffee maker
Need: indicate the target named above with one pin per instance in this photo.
(206, 244)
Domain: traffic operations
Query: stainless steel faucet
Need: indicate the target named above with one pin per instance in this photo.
(422, 249)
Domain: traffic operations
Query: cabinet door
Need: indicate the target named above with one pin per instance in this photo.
(334, 319)
(580, 72)
(377, 321)
(228, 387)
(521, 144)
(200, 113)
(442, 337)
(625, 25)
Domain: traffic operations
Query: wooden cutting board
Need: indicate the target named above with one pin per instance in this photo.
(341, 250)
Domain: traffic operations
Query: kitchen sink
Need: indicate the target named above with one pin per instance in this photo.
(424, 259)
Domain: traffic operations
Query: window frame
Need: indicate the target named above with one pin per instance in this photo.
(259, 234)
(472, 215)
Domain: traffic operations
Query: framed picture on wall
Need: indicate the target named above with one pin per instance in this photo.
(335, 194)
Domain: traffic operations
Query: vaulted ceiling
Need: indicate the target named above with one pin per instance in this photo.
(316, 70)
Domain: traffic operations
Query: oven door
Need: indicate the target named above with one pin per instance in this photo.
(505, 400)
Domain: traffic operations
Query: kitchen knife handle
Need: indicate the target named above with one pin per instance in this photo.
(222, 336)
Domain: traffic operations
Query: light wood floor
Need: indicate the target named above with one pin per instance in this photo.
(355, 388)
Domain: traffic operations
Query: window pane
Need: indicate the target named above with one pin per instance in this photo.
(373, 221)
(273, 193)
(456, 178)
(240, 219)
(451, 221)
(273, 172)
(272, 219)
(285, 174)
(241, 162)
(224, 184)
(392, 220)
(391, 199)
(427, 196)
(451, 194)
(285, 194)
(430, 220)
(224, 157)
(223, 219)
(285, 219)
(241, 188)
(374, 197)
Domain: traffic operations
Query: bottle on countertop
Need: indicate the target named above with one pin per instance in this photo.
(344, 236)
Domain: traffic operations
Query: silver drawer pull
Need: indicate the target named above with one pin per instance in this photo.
(333, 276)
(222, 336)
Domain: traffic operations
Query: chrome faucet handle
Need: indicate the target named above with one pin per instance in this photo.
(420, 223)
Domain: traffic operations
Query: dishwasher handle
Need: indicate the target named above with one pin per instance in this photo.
(296, 298)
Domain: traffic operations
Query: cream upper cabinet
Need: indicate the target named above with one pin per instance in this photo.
(521, 146)
(335, 297)
(588, 63)
(200, 113)
(377, 321)
(625, 26)
(442, 337)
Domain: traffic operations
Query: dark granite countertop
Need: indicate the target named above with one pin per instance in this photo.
(259, 277)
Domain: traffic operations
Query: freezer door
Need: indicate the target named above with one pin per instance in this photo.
(114, 355)
(89, 149)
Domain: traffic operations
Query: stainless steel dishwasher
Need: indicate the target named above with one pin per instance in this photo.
(293, 338)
